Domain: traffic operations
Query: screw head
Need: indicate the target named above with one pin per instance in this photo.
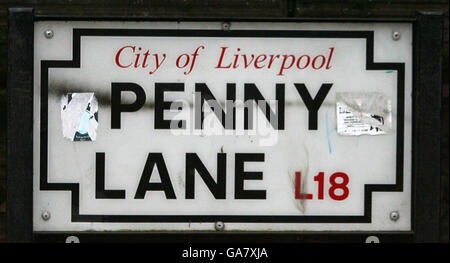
(45, 215)
(394, 216)
(72, 239)
(226, 26)
(219, 226)
(48, 33)
(372, 239)
(396, 35)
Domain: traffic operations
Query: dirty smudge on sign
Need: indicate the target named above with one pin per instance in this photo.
(360, 113)
(79, 116)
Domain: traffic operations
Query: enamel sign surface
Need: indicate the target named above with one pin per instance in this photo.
(264, 127)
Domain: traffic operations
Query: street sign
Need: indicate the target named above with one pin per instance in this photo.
(260, 127)
(200, 130)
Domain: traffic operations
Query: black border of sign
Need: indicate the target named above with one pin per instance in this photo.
(425, 168)
(75, 63)
(19, 191)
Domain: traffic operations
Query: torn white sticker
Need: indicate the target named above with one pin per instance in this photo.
(361, 113)
(79, 115)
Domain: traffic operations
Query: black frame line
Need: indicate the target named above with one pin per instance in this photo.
(368, 188)
(19, 130)
(237, 238)
(39, 17)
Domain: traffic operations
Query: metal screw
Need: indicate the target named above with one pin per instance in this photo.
(396, 35)
(45, 215)
(48, 33)
(226, 26)
(72, 239)
(394, 216)
(219, 226)
(372, 239)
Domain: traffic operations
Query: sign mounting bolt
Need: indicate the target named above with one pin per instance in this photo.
(394, 216)
(48, 33)
(226, 26)
(219, 226)
(45, 215)
(72, 239)
(396, 35)
(372, 239)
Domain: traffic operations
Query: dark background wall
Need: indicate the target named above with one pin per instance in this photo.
(230, 8)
